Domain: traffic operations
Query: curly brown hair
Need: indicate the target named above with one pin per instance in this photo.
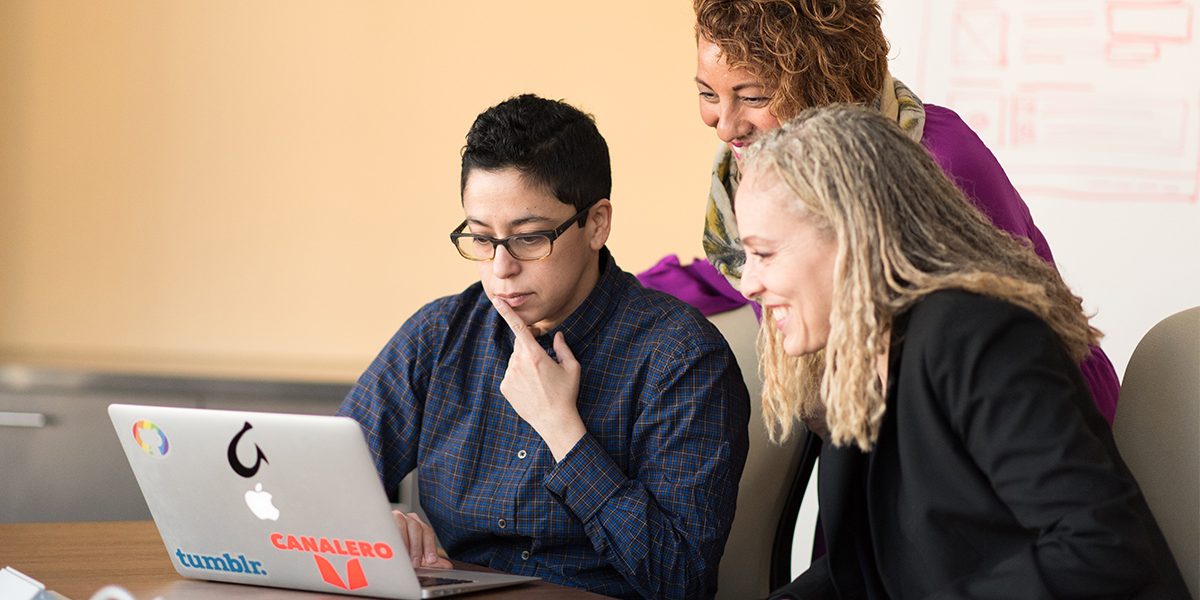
(809, 52)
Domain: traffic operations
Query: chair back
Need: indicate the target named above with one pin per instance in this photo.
(1157, 429)
(762, 494)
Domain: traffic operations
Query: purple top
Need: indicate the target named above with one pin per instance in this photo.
(699, 284)
(974, 169)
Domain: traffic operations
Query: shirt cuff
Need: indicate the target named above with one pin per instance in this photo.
(585, 478)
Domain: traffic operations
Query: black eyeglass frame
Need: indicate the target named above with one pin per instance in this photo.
(549, 234)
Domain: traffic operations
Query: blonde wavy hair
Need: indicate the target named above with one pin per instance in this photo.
(903, 231)
(808, 52)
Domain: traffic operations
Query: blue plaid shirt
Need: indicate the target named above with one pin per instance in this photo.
(640, 507)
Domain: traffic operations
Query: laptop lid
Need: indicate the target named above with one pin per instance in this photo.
(275, 499)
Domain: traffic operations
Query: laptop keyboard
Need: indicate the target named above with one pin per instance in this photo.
(430, 581)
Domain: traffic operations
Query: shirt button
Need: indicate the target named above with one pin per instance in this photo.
(502, 523)
(521, 454)
(524, 555)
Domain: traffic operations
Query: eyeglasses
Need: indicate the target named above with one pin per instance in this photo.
(531, 246)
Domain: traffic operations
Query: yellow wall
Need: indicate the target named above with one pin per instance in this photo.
(264, 188)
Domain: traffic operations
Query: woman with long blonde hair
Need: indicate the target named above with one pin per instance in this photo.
(965, 457)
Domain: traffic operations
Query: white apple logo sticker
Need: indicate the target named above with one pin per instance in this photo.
(260, 504)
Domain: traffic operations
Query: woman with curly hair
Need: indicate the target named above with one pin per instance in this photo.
(965, 458)
(760, 62)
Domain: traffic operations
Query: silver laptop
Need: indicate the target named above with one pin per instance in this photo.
(277, 500)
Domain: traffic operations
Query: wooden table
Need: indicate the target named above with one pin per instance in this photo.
(76, 559)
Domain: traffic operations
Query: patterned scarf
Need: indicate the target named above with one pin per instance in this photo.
(722, 244)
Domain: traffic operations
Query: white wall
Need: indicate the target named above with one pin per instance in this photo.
(1093, 107)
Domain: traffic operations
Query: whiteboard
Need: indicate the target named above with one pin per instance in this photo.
(1093, 109)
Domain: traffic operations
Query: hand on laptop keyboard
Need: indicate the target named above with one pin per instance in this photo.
(420, 540)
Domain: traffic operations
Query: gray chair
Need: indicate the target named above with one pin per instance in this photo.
(1157, 428)
(763, 525)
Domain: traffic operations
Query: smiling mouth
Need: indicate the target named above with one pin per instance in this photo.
(780, 315)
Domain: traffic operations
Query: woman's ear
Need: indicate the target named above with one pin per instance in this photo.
(599, 224)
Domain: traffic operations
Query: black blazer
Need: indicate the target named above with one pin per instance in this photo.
(994, 475)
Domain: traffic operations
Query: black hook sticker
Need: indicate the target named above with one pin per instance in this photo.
(237, 466)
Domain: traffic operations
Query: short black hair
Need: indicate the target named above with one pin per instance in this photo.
(552, 144)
